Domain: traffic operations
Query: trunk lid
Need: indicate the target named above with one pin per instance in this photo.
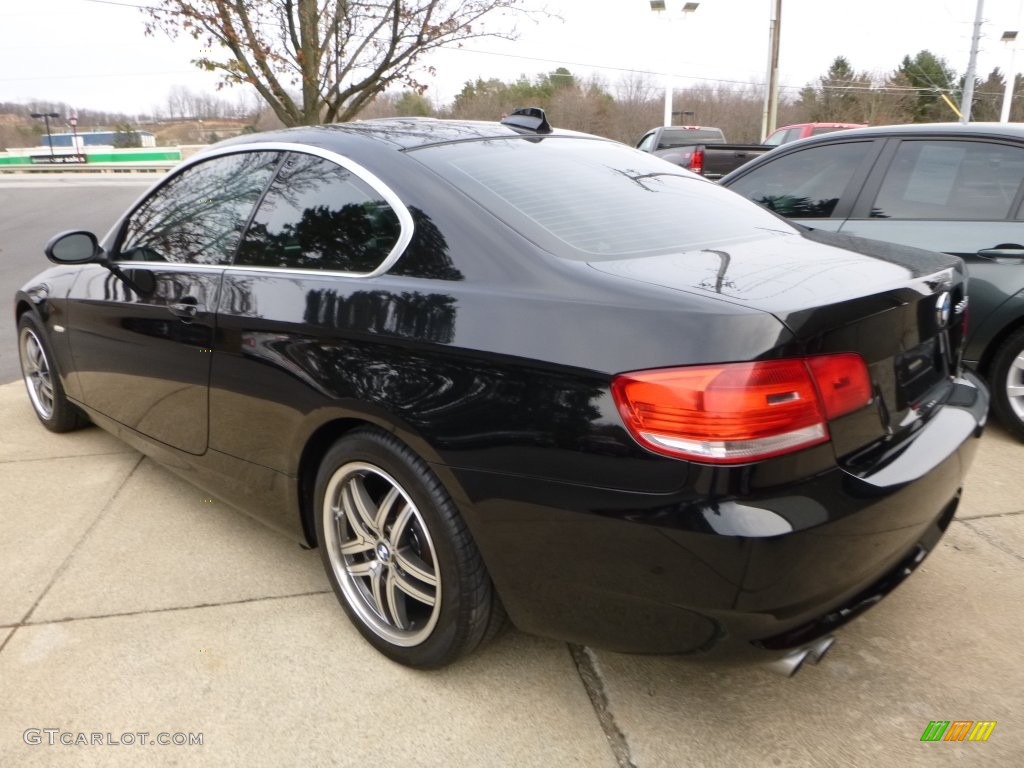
(901, 309)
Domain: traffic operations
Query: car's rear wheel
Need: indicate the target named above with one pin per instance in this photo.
(1007, 379)
(398, 555)
(42, 380)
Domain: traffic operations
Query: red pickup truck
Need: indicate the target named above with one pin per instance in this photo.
(788, 133)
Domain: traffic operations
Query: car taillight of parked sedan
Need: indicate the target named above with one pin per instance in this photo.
(741, 412)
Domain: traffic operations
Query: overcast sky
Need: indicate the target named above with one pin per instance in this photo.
(92, 53)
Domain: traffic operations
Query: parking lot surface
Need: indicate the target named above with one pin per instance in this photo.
(134, 604)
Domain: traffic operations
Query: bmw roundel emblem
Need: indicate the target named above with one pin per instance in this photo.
(942, 309)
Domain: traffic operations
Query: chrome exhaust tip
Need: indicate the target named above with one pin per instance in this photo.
(787, 666)
(790, 664)
(819, 648)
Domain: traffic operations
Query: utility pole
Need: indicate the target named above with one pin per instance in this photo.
(771, 97)
(972, 65)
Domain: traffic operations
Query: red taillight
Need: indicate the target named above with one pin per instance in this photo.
(740, 412)
(697, 161)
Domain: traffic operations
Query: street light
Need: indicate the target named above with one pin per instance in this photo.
(73, 122)
(46, 117)
(1009, 38)
(658, 6)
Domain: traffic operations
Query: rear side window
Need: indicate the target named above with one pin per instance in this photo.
(950, 180)
(318, 215)
(806, 184)
(197, 217)
(590, 199)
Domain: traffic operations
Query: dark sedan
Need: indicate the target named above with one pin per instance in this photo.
(492, 367)
(945, 187)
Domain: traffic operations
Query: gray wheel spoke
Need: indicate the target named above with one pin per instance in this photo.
(377, 590)
(414, 590)
(34, 354)
(411, 563)
(389, 501)
(399, 527)
(359, 507)
(396, 602)
(1015, 390)
(363, 569)
(356, 546)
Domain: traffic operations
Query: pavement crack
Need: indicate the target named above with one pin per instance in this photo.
(70, 556)
(593, 683)
(997, 543)
(171, 609)
(69, 456)
(985, 517)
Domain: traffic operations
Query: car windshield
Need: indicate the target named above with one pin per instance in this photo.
(590, 199)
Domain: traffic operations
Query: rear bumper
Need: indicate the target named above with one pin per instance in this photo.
(738, 576)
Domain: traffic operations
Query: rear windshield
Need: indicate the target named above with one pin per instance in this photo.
(684, 137)
(588, 199)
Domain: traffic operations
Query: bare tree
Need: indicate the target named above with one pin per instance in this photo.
(318, 61)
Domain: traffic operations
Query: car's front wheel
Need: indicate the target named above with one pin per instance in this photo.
(42, 379)
(1007, 380)
(398, 554)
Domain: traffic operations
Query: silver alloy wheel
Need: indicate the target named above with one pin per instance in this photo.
(1015, 385)
(382, 554)
(36, 370)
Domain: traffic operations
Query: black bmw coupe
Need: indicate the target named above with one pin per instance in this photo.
(493, 368)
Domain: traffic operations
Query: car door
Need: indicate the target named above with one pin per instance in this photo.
(301, 306)
(815, 186)
(142, 330)
(958, 195)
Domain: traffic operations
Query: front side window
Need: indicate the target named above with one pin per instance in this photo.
(318, 215)
(782, 137)
(806, 184)
(197, 217)
(950, 180)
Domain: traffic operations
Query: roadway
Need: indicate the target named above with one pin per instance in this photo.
(35, 207)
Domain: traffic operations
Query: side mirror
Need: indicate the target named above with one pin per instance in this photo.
(75, 247)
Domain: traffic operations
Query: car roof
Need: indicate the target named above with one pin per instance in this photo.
(988, 130)
(818, 125)
(399, 132)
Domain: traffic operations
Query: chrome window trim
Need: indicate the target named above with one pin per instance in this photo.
(405, 221)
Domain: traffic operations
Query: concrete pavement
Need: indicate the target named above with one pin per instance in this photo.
(133, 604)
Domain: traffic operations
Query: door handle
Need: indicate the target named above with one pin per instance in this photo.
(185, 307)
(1003, 251)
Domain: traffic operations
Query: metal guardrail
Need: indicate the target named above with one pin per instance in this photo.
(152, 167)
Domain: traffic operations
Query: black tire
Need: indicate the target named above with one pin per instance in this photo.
(42, 379)
(398, 554)
(1007, 382)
